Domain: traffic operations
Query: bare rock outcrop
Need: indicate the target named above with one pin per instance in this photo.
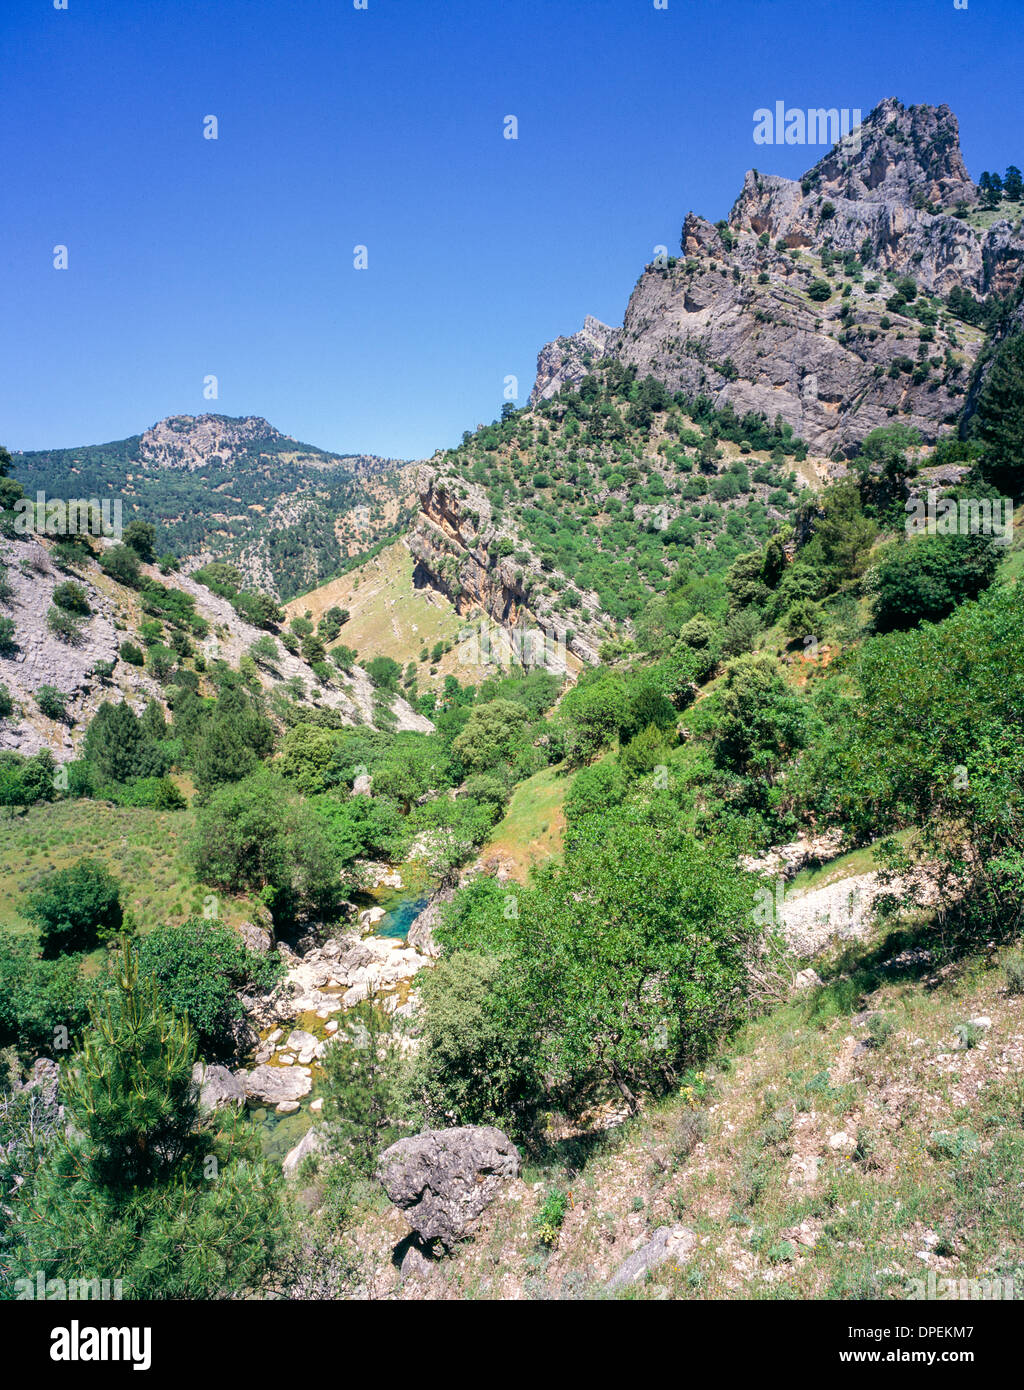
(676, 1243)
(266, 1085)
(732, 319)
(459, 551)
(566, 361)
(218, 1088)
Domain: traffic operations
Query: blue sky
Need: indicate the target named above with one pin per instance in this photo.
(383, 127)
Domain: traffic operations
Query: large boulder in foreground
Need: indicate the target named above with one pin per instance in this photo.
(443, 1179)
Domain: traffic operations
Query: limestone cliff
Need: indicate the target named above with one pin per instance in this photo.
(742, 316)
(459, 550)
(565, 361)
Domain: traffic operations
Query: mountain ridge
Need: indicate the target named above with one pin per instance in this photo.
(732, 316)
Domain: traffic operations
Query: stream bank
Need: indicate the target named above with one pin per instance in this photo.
(298, 1019)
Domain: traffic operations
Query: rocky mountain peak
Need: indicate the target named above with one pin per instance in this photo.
(192, 441)
(901, 154)
(566, 360)
(790, 306)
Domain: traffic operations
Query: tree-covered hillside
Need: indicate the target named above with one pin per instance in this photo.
(234, 489)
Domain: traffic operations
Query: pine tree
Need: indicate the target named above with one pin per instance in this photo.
(118, 747)
(361, 1088)
(1001, 414)
(153, 723)
(137, 1186)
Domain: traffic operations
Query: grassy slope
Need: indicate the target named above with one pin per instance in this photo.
(983, 218)
(144, 849)
(389, 616)
(778, 1211)
(531, 830)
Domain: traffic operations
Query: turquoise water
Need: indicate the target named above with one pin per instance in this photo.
(400, 918)
(280, 1133)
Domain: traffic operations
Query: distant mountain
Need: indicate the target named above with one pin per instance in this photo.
(236, 488)
(839, 301)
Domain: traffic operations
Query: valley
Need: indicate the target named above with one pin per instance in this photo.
(584, 863)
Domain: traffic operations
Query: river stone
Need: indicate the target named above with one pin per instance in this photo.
(667, 1243)
(273, 1085)
(421, 930)
(443, 1179)
(255, 938)
(287, 1107)
(218, 1088)
(309, 1143)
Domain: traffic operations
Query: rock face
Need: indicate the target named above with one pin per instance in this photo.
(567, 360)
(309, 1143)
(421, 931)
(732, 318)
(458, 547)
(256, 938)
(902, 152)
(46, 1079)
(443, 1179)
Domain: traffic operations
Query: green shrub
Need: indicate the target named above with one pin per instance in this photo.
(1014, 969)
(75, 908)
(64, 625)
(122, 565)
(961, 1143)
(384, 673)
(200, 969)
(549, 1218)
(51, 702)
(881, 1027)
(72, 597)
